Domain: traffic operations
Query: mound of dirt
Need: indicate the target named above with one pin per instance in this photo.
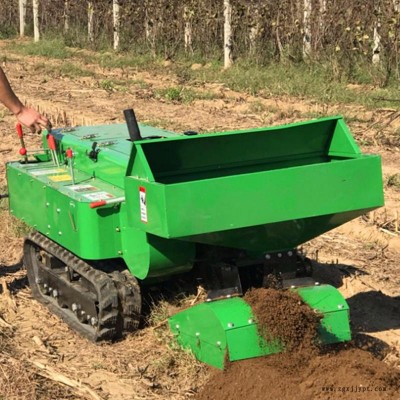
(303, 371)
(350, 373)
(283, 315)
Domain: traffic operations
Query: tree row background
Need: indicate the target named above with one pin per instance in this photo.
(261, 30)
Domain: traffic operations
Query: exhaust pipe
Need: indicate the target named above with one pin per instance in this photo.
(133, 128)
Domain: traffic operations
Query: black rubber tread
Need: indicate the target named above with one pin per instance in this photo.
(130, 301)
(103, 287)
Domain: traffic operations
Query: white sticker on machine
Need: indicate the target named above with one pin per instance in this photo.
(83, 188)
(98, 196)
(39, 172)
(143, 205)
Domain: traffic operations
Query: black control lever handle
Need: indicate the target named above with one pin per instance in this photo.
(94, 152)
(133, 127)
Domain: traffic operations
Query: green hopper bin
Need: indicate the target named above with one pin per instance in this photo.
(262, 190)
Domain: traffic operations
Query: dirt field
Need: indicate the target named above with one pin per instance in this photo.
(40, 358)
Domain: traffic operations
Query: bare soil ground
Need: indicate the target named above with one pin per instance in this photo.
(40, 358)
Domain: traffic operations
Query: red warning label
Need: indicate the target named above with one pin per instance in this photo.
(143, 205)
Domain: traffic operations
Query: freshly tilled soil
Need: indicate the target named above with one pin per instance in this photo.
(349, 373)
(303, 371)
(283, 315)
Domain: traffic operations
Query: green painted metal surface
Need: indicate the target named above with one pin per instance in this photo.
(40, 197)
(260, 190)
(217, 330)
(253, 203)
(227, 329)
(329, 302)
(44, 197)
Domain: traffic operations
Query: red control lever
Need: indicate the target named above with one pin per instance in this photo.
(52, 146)
(101, 203)
(51, 142)
(20, 134)
(19, 131)
(96, 204)
(70, 155)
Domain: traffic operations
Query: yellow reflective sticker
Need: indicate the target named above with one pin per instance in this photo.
(60, 178)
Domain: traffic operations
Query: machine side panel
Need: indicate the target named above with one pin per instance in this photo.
(236, 202)
(149, 256)
(90, 234)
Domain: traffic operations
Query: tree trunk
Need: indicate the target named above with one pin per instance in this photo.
(254, 29)
(66, 16)
(187, 17)
(376, 49)
(228, 59)
(90, 22)
(396, 6)
(22, 16)
(278, 39)
(36, 32)
(322, 12)
(318, 34)
(150, 30)
(117, 23)
(307, 29)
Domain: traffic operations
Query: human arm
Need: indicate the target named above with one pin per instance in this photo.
(26, 115)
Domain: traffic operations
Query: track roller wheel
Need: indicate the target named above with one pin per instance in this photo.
(130, 301)
(84, 297)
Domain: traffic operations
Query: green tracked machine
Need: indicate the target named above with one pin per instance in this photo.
(114, 208)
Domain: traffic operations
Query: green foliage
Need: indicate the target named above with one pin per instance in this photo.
(256, 107)
(7, 32)
(172, 93)
(159, 313)
(113, 60)
(121, 85)
(263, 31)
(67, 69)
(157, 123)
(321, 80)
(54, 48)
(107, 84)
(394, 181)
(71, 70)
(19, 228)
(182, 94)
(139, 83)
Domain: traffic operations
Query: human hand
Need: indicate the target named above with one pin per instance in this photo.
(30, 118)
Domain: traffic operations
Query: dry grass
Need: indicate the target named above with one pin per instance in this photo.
(19, 379)
(48, 361)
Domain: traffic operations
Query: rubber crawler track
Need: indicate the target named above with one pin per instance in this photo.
(108, 304)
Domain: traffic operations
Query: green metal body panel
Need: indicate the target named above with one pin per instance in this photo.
(254, 205)
(62, 213)
(259, 190)
(43, 196)
(227, 329)
(329, 302)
